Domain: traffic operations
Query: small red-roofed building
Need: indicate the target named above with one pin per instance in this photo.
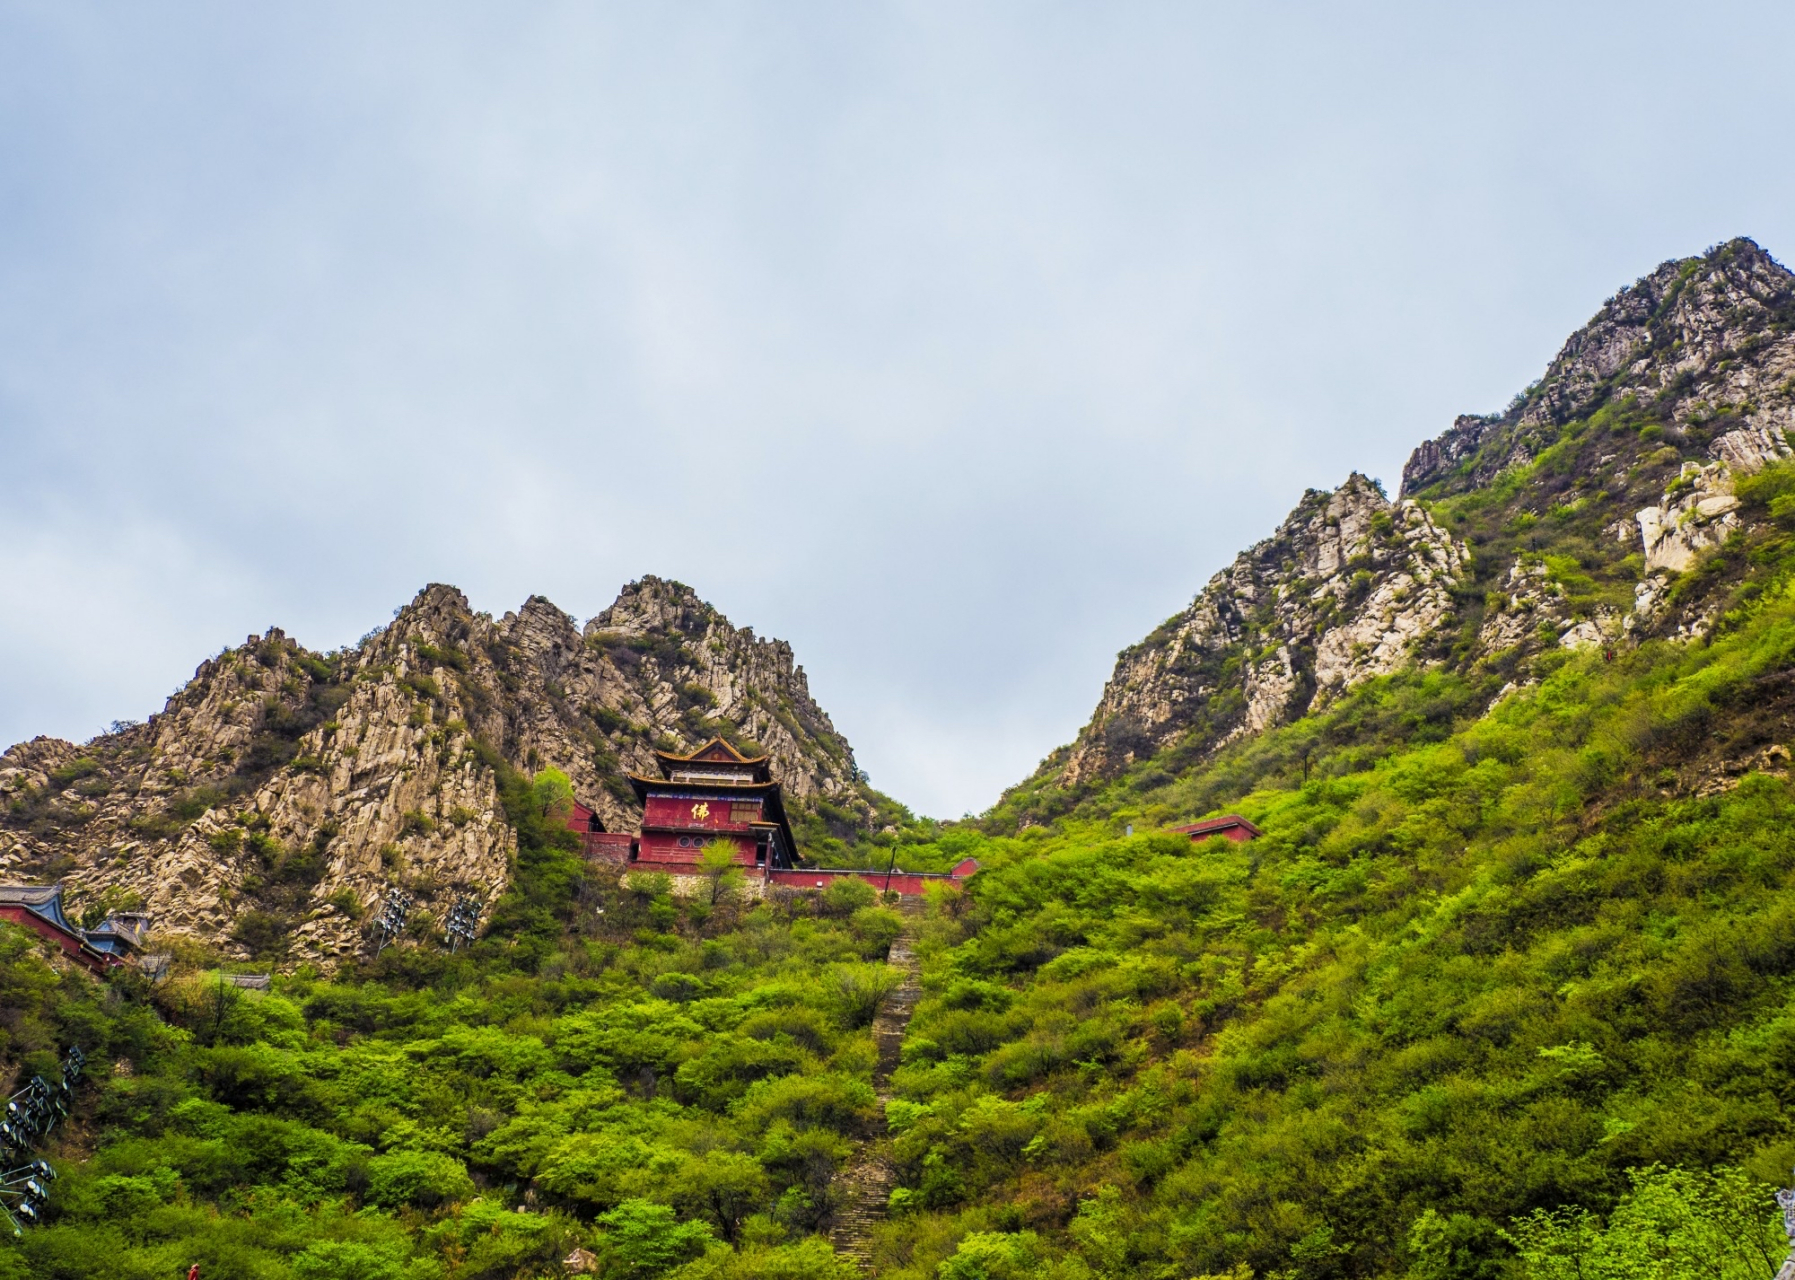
(1232, 827)
(595, 841)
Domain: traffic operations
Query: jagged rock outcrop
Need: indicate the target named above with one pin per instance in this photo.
(1699, 508)
(280, 793)
(1698, 338)
(1459, 445)
(1343, 591)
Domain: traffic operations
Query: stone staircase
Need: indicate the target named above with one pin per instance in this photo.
(865, 1185)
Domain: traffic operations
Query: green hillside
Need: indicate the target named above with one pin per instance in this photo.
(666, 1083)
(1479, 965)
(1482, 974)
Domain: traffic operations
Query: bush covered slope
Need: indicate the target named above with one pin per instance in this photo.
(1478, 965)
(664, 1083)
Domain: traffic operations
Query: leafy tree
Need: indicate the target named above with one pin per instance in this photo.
(351, 1260)
(643, 1240)
(551, 791)
(848, 894)
(417, 1179)
(1673, 1223)
(721, 872)
(723, 1188)
(1457, 1246)
(992, 1255)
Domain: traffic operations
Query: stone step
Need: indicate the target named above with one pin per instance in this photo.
(866, 1184)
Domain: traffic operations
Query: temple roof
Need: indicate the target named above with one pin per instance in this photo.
(41, 899)
(1214, 826)
(701, 783)
(29, 895)
(717, 753)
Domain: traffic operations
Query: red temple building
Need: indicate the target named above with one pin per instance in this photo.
(718, 794)
(38, 907)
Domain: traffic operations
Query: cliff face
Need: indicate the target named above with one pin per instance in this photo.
(1345, 589)
(281, 792)
(1591, 512)
(1696, 338)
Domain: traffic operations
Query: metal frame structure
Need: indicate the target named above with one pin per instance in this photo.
(391, 921)
(24, 1192)
(464, 920)
(30, 1115)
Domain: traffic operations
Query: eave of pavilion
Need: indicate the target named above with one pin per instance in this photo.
(707, 755)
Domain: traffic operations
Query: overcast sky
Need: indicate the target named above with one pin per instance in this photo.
(958, 344)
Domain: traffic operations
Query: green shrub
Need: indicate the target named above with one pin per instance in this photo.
(417, 1180)
(643, 1239)
(846, 895)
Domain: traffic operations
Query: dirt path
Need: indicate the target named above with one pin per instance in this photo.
(865, 1185)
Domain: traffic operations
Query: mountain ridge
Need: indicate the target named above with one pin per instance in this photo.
(1501, 988)
(1577, 517)
(1568, 520)
(280, 793)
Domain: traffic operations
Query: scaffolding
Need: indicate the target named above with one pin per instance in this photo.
(464, 920)
(30, 1115)
(391, 921)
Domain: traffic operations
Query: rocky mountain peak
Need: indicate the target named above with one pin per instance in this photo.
(1680, 320)
(1695, 338)
(1578, 517)
(656, 604)
(281, 792)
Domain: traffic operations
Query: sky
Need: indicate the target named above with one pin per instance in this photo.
(957, 344)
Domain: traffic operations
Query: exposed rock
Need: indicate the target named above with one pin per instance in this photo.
(1698, 510)
(1433, 460)
(1772, 760)
(1529, 600)
(1697, 338)
(1342, 592)
(1750, 450)
(291, 789)
(1597, 632)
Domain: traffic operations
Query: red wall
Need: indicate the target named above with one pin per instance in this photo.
(910, 884)
(70, 944)
(664, 846)
(606, 844)
(717, 815)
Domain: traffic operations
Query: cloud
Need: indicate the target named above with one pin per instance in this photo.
(957, 346)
